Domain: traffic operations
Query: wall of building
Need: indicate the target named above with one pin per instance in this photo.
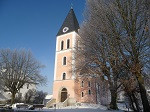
(59, 83)
(99, 90)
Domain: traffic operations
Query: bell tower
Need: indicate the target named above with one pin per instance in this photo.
(64, 77)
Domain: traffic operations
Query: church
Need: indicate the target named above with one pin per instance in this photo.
(70, 88)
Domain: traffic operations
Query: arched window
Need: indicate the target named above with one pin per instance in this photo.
(82, 94)
(64, 76)
(68, 43)
(89, 83)
(62, 45)
(82, 84)
(64, 90)
(89, 92)
(64, 60)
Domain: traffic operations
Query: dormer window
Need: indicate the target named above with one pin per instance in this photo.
(64, 60)
(68, 43)
(62, 45)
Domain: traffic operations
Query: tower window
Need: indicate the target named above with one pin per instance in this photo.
(68, 43)
(64, 76)
(89, 83)
(62, 45)
(64, 60)
(89, 92)
(82, 94)
(82, 84)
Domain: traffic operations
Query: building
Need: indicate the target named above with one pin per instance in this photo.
(26, 88)
(69, 87)
(47, 98)
(6, 96)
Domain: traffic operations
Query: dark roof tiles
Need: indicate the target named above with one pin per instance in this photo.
(70, 24)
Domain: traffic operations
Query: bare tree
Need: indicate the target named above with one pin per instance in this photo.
(30, 96)
(18, 98)
(134, 39)
(40, 95)
(115, 40)
(98, 53)
(131, 90)
(1, 84)
(19, 67)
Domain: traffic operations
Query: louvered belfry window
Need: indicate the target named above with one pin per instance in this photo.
(62, 45)
(68, 43)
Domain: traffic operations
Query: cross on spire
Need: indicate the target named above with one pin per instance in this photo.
(71, 5)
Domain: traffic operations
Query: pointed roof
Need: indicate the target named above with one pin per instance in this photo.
(70, 24)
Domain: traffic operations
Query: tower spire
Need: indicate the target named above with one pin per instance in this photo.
(70, 24)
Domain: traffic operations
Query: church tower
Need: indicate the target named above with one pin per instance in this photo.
(64, 78)
(68, 87)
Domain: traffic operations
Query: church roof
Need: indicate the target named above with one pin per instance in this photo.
(70, 24)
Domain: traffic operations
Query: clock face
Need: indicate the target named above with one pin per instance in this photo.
(65, 29)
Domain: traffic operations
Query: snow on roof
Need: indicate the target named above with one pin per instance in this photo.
(48, 96)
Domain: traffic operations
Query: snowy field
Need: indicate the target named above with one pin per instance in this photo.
(69, 110)
(82, 108)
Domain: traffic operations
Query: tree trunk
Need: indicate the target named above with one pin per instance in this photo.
(13, 98)
(136, 102)
(132, 102)
(113, 103)
(145, 103)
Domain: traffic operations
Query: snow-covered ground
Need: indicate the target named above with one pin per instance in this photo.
(82, 108)
(121, 106)
(69, 110)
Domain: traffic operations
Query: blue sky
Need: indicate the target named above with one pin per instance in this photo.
(33, 25)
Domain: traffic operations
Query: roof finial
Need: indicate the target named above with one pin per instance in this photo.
(71, 5)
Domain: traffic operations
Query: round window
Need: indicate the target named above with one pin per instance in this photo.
(65, 29)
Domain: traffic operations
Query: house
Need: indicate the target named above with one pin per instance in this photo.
(5, 96)
(47, 98)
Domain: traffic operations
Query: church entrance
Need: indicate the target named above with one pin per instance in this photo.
(63, 94)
